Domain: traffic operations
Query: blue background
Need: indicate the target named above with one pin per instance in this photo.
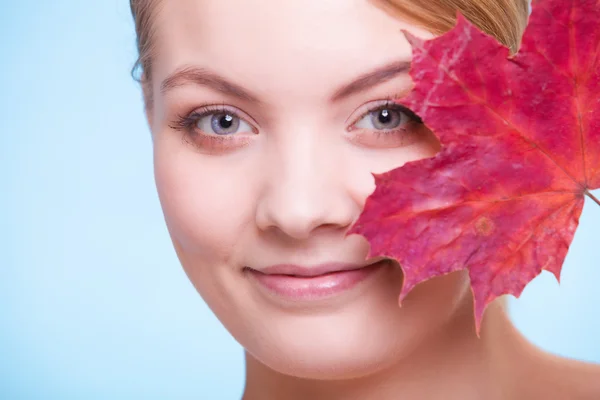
(93, 302)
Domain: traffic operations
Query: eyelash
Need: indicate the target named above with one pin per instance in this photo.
(389, 103)
(186, 123)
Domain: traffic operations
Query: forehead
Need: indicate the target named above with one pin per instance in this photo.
(273, 42)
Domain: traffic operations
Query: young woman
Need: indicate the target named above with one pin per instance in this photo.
(268, 120)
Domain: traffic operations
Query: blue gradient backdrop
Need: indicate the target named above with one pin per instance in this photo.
(93, 302)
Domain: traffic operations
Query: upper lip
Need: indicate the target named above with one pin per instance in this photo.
(313, 270)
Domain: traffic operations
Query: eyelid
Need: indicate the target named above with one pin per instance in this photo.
(371, 106)
(200, 112)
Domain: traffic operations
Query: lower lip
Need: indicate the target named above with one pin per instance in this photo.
(299, 288)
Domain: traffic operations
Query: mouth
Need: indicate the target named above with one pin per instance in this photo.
(305, 284)
(310, 271)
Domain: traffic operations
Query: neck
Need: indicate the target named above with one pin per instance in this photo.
(454, 361)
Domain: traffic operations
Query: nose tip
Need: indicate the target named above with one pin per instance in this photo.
(298, 216)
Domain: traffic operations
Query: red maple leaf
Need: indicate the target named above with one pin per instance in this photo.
(520, 150)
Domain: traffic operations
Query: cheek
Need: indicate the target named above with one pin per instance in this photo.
(207, 220)
(205, 213)
(428, 147)
(439, 297)
(387, 160)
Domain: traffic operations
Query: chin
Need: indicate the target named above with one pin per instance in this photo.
(366, 336)
(329, 354)
(329, 366)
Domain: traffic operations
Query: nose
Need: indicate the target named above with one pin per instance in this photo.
(304, 188)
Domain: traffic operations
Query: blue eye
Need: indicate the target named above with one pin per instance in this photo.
(386, 118)
(221, 123)
(383, 118)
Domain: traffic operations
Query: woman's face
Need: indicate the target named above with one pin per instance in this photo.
(269, 118)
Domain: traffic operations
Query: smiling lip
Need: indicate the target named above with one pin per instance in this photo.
(299, 283)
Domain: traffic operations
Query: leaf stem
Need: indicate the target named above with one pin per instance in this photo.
(591, 196)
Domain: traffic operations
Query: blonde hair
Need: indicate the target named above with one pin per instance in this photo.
(143, 11)
(503, 19)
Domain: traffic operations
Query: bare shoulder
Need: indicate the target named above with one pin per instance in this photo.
(578, 379)
(553, 377)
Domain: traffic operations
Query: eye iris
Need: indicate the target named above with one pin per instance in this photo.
(385, 118)
(224, 124)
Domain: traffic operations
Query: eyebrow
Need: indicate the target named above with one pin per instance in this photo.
(371, 79)
(204, 77)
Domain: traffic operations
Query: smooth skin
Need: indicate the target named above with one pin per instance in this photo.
(278, 168)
